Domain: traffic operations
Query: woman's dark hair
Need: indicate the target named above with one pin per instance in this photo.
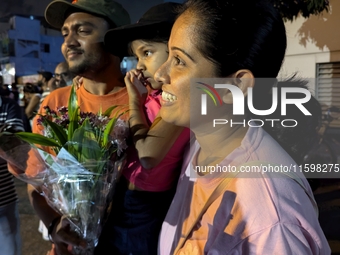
(250, 34)
(30, 88)
(239, 34)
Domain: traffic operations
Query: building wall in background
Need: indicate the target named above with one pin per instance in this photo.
(313, 52)
(28, 49)
(311, 41)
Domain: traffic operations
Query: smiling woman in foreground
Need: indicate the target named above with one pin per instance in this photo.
(235, 213)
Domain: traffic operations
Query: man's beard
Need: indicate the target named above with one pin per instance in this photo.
(92, 62)
(81, 68)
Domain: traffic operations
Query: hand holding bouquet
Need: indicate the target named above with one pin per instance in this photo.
(75, 164)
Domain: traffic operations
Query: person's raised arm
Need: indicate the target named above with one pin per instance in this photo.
(32, 104)
(152, 142)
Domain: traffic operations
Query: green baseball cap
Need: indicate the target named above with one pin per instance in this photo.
(56, 12)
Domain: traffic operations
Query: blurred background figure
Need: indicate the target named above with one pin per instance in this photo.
(15, 92)
(10, 91)
(43, 79)
(62, 75)
(52, 85)
(32, 100)
(6, 92)
(10, 120)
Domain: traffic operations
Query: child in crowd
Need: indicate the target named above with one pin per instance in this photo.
(146, 188)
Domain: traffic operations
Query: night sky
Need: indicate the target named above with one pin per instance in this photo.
(25, 7)
(37, 7)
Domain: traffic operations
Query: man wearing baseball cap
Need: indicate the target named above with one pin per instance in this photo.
(83, 24)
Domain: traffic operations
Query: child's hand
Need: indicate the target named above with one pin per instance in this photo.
(77, 82)
(137, 91)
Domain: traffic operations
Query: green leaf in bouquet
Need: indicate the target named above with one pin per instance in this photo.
(109, 127)
(100, 111)
(72, 101)
(118, 115)
(58, 132)
(90, 149)
(91, 153)
(85, 143)
(39, 139)
(73, 109)
(74, 146)
(109, 110)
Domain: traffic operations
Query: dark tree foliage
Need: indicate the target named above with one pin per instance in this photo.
(290, 9)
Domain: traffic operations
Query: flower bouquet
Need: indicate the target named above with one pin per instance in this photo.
(75, 164)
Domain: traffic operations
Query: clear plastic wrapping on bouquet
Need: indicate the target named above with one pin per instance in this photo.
(81, 192)
(82, 195)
